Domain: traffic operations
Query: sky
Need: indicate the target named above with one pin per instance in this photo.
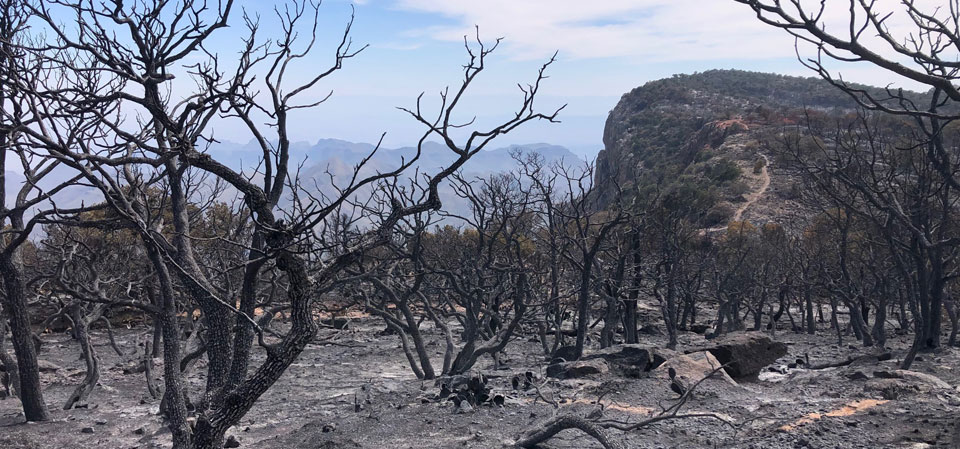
(604, 49)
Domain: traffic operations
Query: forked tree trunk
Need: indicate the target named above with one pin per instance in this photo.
(81, 394)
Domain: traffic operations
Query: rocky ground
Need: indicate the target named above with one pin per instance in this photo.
(354, 390)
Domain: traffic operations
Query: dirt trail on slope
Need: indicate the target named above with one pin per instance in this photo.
(752, 197)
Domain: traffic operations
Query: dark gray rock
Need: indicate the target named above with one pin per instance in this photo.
(578, 369)
(745, 354)
(567, 353)
(626, 355)
(48, 367)
(857, 375)
(231, 442)
(336, 323)
(700, 328)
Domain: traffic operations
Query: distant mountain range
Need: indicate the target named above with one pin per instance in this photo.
(337, 158)
(332, 159)
(341, 154)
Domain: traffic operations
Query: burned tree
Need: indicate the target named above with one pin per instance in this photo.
(119, 63)
(926, 55)
(586, 230)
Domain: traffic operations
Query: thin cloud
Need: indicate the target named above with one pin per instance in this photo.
(650, 30)
(656, 30)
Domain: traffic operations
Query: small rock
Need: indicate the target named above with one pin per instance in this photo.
(336, 323)
(48, 367)
(464, 407)
(650, 329)
(327, 428)
(699, 328)
(231, 442)
(86, 430)
(857, 375)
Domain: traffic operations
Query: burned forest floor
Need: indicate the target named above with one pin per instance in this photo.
(353, 389)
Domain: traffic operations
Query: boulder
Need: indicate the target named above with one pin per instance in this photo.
(890, 389)
(578, 369)
(923, 379)
(628, 357)
(48, 367)
(917, 379)
(660, 355)
(567, 353)
(745, 354)
(692, 367)
(897, 384)
(631, 359)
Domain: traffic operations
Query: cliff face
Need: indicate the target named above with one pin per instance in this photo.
(698, 137)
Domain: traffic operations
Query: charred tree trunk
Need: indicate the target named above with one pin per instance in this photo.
(630, 331)
(81, 326)
(583, 306)
(9, 364)
(31, 394)
(211, 428)
(175, 408)
(811, 321)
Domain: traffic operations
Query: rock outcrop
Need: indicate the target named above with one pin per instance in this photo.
(691, 368)
(745, 354)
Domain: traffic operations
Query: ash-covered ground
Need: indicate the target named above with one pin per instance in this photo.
(353, 389)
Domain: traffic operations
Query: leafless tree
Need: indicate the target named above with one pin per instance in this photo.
(121, 49)
(587, 229)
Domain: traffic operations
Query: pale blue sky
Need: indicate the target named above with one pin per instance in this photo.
(606, 48)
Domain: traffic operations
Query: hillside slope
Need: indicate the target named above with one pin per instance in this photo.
(697, 140)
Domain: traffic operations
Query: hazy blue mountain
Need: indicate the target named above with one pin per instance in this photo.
(334, 157)
(337, 159)
(339, 154)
